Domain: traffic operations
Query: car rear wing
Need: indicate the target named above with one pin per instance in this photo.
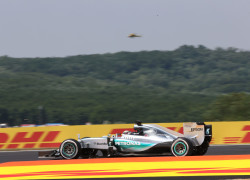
(200, 131)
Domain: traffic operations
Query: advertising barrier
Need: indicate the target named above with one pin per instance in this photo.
(51, 136)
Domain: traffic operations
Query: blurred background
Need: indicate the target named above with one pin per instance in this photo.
(72, 62)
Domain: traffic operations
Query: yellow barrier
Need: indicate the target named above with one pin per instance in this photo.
(52, 136)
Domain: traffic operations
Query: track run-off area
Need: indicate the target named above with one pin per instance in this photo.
(220, 162)
(224, 159)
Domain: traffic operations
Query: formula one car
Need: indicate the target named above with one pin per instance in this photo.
(147, 139)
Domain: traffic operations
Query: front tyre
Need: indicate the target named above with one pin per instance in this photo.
(182, 147)
(70, 149)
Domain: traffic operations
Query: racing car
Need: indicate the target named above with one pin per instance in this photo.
(146, 139)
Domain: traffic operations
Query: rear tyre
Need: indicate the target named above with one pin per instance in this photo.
(201, 150)
(70, 149)
(182, 147)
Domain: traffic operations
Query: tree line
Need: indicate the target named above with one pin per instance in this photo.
(186, 84)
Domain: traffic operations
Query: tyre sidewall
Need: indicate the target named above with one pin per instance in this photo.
(76, 146)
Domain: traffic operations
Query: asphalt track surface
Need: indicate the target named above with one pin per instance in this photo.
(9, 156)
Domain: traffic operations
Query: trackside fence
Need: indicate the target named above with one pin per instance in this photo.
(51, 136)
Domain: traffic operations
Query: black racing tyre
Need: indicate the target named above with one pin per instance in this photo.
(201, 150)
(70, 149)
(182, 147)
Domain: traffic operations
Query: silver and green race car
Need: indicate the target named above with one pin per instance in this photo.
(146, 139)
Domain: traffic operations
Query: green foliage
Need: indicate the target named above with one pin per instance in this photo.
(231, 107)
(153, 86)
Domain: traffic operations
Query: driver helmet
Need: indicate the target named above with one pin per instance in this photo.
(126, 132)
(149, 132)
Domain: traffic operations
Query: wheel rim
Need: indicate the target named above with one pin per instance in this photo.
(180, 148)
(69, 149)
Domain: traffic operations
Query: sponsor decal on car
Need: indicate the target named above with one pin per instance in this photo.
(127, 143)
(100, 144)
(196, 129)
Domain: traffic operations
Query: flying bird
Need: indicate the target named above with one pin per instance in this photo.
(132, 35)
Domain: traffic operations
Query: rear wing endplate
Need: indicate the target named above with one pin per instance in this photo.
(199, 131)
